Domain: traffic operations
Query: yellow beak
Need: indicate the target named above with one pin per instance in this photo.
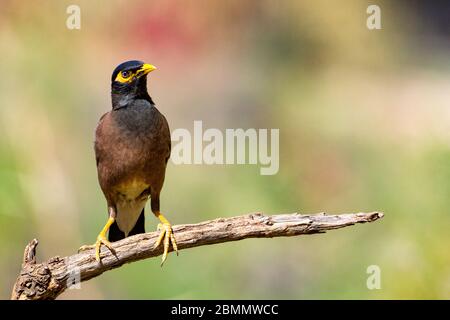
(146, 68)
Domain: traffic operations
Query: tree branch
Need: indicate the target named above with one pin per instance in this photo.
(47, 280)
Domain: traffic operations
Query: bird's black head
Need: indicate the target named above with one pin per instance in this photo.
(129, 82)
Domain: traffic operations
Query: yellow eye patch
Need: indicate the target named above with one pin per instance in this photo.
(125, 76)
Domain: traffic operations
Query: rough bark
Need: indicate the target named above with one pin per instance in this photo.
(47, 280)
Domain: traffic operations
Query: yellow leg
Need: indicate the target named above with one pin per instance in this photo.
(167, 235)
(101, 239)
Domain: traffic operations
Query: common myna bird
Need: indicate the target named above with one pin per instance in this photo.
(132, 147)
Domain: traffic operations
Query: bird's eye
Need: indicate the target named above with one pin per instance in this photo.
(125, 74)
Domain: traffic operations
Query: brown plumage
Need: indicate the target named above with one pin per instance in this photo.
(132, 147)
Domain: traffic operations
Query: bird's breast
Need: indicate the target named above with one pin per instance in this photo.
(130, 199)
(131, 190)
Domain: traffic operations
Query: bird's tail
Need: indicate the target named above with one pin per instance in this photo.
(115, 234)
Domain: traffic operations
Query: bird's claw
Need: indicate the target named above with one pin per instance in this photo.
(100, 240)
(168, 237)
(86, 247)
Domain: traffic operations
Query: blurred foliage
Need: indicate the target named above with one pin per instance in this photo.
(364, 122)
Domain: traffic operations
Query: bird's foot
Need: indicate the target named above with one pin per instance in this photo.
(169, 238)
(101, 239)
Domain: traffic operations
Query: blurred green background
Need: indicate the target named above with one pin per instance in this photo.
(364, 119)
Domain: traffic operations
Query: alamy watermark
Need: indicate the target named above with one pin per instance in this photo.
(373, 21)
(374, 279)
(231, 146)
(74, 276)
(73, 21)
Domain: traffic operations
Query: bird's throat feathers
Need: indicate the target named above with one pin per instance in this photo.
(124, 94)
